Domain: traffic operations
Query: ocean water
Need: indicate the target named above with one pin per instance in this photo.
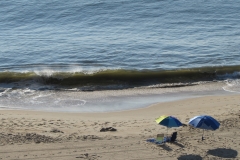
(54, 53)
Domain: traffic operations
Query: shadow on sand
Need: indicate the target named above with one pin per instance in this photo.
(177, 144)
(190, 157)
(223, 153)
(165, 147)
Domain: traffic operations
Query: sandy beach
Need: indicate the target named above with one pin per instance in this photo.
(66, 136)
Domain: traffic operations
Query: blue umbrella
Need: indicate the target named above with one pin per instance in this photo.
(204, 122)
(168, 121)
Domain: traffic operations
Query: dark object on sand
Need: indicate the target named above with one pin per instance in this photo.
(54, 130)
(174, 137)
(108, 129)
(184, 125)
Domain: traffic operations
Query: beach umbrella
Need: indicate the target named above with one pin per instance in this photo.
(204, 122)
(168, 121)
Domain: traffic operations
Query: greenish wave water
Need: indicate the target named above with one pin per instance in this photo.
(129, 77)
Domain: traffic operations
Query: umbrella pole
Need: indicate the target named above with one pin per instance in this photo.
(202, 135)
(167, 134)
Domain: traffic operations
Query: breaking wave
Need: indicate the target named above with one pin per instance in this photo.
(121, 77)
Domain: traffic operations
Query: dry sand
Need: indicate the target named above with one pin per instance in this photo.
(66, 136)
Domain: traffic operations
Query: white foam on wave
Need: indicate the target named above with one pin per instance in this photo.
(45, 72)
(232, 85)
(20, 93)
(232, 81)
(4, 92)
(49, 71)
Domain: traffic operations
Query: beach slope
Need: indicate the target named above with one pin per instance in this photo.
(60, 136)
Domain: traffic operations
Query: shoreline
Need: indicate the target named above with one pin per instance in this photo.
(160, 105)
(105, 101)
